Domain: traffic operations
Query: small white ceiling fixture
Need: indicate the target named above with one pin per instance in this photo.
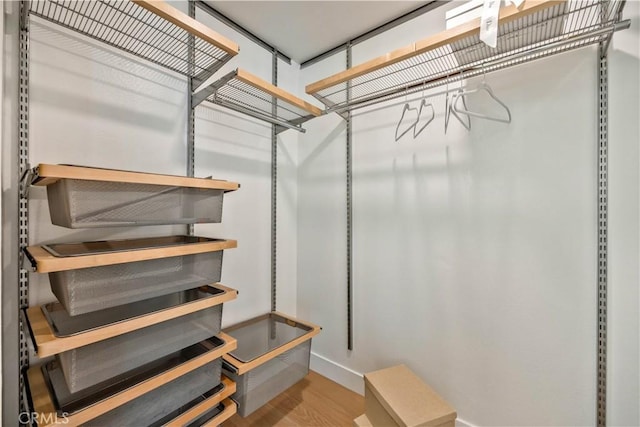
(303, 29)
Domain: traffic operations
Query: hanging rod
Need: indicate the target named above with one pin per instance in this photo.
(149, 29)
(540, 28)
(248, 94)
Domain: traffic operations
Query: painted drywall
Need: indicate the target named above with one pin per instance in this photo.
(238, 148)
(474, 252)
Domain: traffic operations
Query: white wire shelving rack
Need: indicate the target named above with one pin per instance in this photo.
(537, 30)
(152, 30)
(241, 91)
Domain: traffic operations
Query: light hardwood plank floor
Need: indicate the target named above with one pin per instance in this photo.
(314, 401)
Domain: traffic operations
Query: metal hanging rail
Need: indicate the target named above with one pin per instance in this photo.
(539, 29)
(152, 30)
(243, 92)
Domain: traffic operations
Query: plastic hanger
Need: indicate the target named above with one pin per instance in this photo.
(448, 108)
(483, 86)
(423, 104)
(406, 108)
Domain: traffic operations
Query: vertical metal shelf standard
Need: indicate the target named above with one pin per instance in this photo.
(274, 190)
(349, 173)
(248, 94)
(23, 208)
(603, 203)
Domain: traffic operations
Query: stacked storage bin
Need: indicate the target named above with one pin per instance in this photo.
(136, 329)
(272, 355)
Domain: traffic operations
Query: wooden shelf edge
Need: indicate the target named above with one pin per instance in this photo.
(189, 24)
(279, 93)
(44, 407)
(48, 344)
(204, 406)
(48, 263)
(243, 367)
(452, 35)
(48, 174)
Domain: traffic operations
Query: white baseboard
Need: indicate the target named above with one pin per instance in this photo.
(463, 423)
(341, 374)
(349, 378)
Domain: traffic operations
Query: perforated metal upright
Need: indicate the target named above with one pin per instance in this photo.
(349, 166)
(23, 208)
(274, 186)
(603, 200)
(191, 110)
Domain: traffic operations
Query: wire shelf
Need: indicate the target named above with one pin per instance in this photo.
(152, 30)
(547, 28)
(248, 94)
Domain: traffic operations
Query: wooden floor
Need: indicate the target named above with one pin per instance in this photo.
(314, 401)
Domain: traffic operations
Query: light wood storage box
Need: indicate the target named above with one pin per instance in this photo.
(83, 197)
(397, 397)
(272, 355)
(51, 403)
(362, 421)
(124, 339)
(91, 276)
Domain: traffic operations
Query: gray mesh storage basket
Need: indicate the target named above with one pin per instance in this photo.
(108, 393)
(76, 203)
(260, 336)
(89, 365)
(85, 290)
(263, 383)
(158, 403)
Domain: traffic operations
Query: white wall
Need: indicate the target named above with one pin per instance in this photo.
(475, 253)
(236, 147)
(623, 406)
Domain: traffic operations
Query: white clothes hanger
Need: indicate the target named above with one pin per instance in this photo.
(482, 87)
(423, 105)
(405, 109)
(449, 102)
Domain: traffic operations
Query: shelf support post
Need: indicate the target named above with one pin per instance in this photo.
(23, 169)
(349, 136)
(191, 109)
(603, 141)
(274, 184)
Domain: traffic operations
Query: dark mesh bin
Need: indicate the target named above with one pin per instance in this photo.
(89, 289)
(85, 290)
(260, 385)
(260, 336)
(89, 365)
(157, 404)
(76, 203)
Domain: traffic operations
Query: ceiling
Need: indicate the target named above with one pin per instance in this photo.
(304, 29)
